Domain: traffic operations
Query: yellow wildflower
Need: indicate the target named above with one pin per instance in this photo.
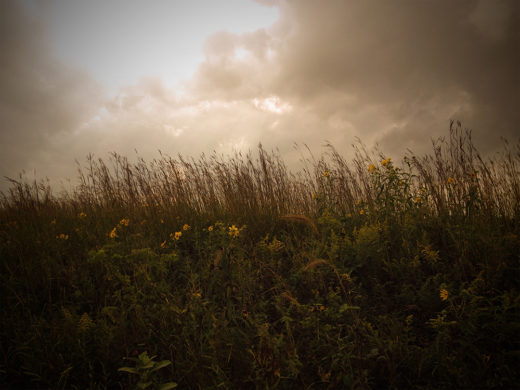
(210, 229)
(409, 319)
(197, 295)
(163, 245)
(124, 222)
(186, 227)
(233, 231)
(417, 199)
(62, 236)
(371, 168)
(313, 196)
(443, 294)
(361, 212)
(82, 215)
(386, 161)
(326, 173)
(113, 233)
(176, 236)
(450, 180)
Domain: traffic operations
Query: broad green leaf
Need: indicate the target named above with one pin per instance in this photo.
(167, 386)
(128, 369)
(160, 365)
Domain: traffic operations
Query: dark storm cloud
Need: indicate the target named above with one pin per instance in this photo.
(392, 72)
(41, 100)
(419, 63)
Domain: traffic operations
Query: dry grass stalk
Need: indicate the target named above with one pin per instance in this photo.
(301, 218)
(287, 295)
(218, 258)
(316, 263)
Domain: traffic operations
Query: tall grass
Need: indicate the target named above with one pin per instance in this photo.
(364, 273)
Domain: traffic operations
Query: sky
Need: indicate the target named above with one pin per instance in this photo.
(191, 77)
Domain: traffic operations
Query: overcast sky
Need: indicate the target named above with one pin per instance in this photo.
(79, 77)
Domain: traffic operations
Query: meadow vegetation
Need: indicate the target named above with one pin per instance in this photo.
(233, 272)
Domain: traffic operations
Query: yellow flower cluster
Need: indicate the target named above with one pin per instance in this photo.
(186, 227)
(210, 229)
(82, 215)
(450, 180)
(443, 294)
(386, 161)
(113, 233)
(371, 168)
(326, 173)
(62, 237)
(176, 236)
(233, 231)
(124, 222)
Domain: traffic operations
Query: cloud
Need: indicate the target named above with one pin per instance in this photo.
(41, 100)
(391, 73)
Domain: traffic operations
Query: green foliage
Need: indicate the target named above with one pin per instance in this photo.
(239, 274)
(145, 367)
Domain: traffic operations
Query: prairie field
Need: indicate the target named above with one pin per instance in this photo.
(376, 272)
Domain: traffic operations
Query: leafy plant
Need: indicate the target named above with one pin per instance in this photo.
(145, 368)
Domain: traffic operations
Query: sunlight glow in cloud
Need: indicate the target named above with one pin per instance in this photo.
(272, 104)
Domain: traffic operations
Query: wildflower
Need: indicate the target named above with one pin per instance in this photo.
(361, 212)
(233, 231)
(124, 222)
(450, 180)
(82, 215)
(113, 233)
(313, 196)
(62, 237)
(347, 277)
(163, 245)
(197, 294)
(443, 294)
(85, 323)
(417, 199)
(186, 227)
(371, 168)
(358, 202)
(326, 173)
(386, 161)
(321, 308)
(176, 236)
(210, 229)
